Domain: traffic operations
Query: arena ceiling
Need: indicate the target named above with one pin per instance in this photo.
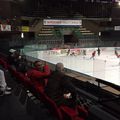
(25, 7)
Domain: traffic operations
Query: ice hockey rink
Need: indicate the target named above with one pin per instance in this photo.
(105, 67)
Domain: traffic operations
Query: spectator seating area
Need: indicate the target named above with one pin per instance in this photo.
(55, 35)
(50, 32)
(98, 100)
(80, 32)
(62, 112)
(83, 33)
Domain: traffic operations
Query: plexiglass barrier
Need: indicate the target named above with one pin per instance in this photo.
(105, 66)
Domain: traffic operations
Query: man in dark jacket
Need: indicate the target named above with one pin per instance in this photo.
(60, 89)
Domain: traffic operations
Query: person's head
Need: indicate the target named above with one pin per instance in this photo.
(37, 65)
(12, 50)
(59, 67)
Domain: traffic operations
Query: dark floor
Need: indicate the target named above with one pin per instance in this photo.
(11, 109)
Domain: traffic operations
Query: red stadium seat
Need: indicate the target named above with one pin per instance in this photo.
(53, 107)
(68, 113)
(82, 112)
(72, 114)
(50, 103)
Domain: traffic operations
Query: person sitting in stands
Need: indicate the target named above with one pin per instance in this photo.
(60, 89)
(4, 89)
(14, 58)
(63, 92)
(39, 73)
(23, 65)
